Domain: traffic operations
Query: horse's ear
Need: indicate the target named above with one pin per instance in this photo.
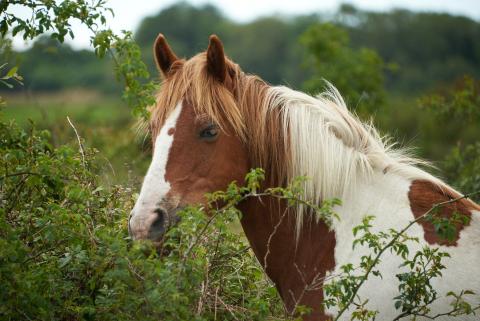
(164, 55)
(216, 59)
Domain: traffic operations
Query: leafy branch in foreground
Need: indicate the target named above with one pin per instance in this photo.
(66, 254)
(10, 75)
(293, 194)
(51, 16)
(56, 17)
(416, 291)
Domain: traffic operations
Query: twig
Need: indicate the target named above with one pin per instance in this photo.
(215, 304)
(19, 174)
(79, 142)
(449, 313)
(270, 237)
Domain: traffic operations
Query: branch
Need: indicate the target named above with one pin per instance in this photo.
(392, 242)
(79, 143)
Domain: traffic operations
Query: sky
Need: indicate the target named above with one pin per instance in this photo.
(128, 14)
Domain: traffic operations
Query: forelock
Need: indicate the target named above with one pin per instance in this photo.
(190, 80)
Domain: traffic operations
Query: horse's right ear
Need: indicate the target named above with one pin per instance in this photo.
(164, 55)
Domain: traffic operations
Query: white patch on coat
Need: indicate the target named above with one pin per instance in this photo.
(155, 186)
(385, 196)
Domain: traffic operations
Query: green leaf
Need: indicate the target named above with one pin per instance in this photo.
(12, 72)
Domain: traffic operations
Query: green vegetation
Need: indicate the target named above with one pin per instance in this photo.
(460, 106)
(66, 254)
(53, 66)
(429, 49)
(103, 123)
(357, 74)
(50, 16)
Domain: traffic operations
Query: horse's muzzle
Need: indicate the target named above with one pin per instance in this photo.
(152, 225)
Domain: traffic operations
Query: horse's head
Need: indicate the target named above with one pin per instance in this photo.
(198, 136)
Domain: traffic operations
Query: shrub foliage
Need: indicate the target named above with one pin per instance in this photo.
(66, 254)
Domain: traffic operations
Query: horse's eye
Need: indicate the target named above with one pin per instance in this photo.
(210, 133)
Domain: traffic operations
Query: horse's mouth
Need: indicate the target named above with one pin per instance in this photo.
(164, 248)
(159, 238)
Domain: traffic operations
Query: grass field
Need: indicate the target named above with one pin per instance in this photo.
(84, 106)
(103, 123)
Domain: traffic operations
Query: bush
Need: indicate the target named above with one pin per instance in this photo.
(66, 254)
(357, 73)
(461, 106)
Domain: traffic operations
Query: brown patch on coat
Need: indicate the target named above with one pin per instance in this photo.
(297, 267)
(423, 195)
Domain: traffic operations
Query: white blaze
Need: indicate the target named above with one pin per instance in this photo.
(155, 186)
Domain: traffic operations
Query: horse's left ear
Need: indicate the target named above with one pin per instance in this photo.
(216, 59)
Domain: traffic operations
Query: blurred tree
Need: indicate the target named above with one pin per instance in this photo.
(430, 48)
(266, 46)
(462, 168)
(263, 47)
(187, 26)
(51, 66)
(460, 105)
(358, 74)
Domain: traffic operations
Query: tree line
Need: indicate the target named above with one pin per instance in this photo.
(421, 51)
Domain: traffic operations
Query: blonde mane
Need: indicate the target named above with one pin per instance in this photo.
(288, 133)
(334, 149)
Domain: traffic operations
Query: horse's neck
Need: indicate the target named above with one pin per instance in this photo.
(298, 268)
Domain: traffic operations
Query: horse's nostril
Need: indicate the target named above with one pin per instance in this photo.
(158, 225)
(129, 223)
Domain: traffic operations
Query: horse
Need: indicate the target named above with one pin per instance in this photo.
(212, 123)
